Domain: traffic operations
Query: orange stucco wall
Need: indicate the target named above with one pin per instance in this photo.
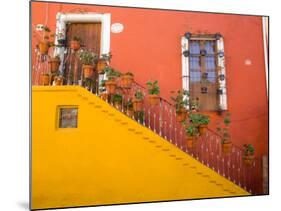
(150, 47)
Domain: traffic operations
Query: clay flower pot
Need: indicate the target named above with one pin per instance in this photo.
(101, 65)
(226, 146)
(127, 81)
(137, 105)
(110, 86)
(88, 71)
(202, 129)
(75, 45)
(248, 159)
(46, 80)
(54, 64)
(181, 115)
(104, 96)
(44, 47)
(58, 80)
(153, 99)
(190, 141)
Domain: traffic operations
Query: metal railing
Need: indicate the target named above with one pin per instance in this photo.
(162, 120)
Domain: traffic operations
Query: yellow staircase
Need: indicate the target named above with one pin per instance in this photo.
(109, 158)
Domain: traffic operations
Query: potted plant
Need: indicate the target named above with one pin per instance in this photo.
(111, 83)
(58, 80)
(128, 105)
(117, 100)
(103, 95)
(249, 152)
(139, 116)
(138, 101)
(200, 120)
(103, 62)
(180, 103)
(88, 60)
(153, 91)
(75, 43)
(53, 64)
(127, 80)
(225, 135)
(44, 44)
(60, 38)
(46, 79)
(191, 135)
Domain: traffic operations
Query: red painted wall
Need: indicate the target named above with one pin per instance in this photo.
(150, 47)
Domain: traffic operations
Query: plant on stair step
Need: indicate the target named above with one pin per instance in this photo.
(138, 101)
(111, 83)
(103, 62)
(225, 135)
(127, 80)
(117, 100)
(45, 43)
(200, 120)
(128, 106)
(58, 80)
(153, 91)
(75, 43)
(191, 132)
(180, 104)
(53, 64)
(249, 152)
(88, 60)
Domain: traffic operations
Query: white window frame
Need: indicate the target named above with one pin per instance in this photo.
(220, 65)
(63, 18)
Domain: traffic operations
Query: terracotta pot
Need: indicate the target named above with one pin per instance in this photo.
(181, 115)
(190, 141)
(153, 100)
(58, 80)
(104, 96)
(44, 47)
(226, 146)
(248, 159)
(53, 65)
(101, 65)
(127, 81)
(46, 80)
(75, 45)
(137, 105)
(202, 129)
(88, 71)
(110, 86)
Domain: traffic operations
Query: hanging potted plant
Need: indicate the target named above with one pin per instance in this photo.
(46, 79)
(249, 152)
(44, 44)
(153, 91)
(75, 43)
(58, 80)
(138, 101)
(180, 103)
(200, 120)
(111, 83)
(191, 135)
(53, 64)
(127, 80)
(128, 105)
(88, 60)
(225, 135)
(117, 100)
(103, 62)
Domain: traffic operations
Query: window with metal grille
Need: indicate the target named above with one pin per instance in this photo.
(68, 117)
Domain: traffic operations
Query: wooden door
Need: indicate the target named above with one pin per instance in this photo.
(90, 36)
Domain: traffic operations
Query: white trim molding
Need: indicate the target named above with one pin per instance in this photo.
(220, 65)
(63, 18)
(265, 47)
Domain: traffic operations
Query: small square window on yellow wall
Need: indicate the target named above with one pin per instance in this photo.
(67, 116)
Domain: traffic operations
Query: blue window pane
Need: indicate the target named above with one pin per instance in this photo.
(210, 47)
(194, 47)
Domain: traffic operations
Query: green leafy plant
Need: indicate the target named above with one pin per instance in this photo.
(153, 87)
(139, 95)
(224, 130)
(106, 57)
(88, 57)
(248, 149)
(181, 100)
(128, 104)
(117, 98)
(199, 119)
(191, 130)
(111, 73)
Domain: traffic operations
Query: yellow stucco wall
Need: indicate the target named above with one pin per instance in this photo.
(109, 158)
